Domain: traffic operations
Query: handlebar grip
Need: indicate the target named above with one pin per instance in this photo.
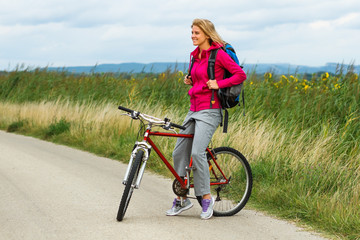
(125, 109)
(177, 126)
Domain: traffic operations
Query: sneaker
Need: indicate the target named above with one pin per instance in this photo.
(177, 208)
(207, 208)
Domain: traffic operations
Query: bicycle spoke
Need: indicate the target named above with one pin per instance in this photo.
(231, 166)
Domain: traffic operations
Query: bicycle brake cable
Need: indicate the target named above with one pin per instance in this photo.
(141, 129)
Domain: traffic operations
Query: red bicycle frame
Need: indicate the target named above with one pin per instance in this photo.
(183, 182)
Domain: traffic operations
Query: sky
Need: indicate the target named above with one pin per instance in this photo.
(59, 33)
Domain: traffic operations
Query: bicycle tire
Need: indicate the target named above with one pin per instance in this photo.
(232, 197)
(129, 187)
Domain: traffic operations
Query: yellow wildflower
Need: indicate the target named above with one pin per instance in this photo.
(325, 76)
(268, 75)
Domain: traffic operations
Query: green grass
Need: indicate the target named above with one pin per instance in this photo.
(16, 126)
(301, 133)
(56, 128)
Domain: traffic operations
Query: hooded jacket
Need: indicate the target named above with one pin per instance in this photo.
(200, 94)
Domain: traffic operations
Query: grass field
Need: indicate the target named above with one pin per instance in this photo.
(301, 133)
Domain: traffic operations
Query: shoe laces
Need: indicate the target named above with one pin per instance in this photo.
(176, 203)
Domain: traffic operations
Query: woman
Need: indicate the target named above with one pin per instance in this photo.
(202, 119)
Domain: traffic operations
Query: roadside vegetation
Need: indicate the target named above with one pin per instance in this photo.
(301, 133)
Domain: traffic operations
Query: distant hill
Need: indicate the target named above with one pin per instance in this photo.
(282, 68)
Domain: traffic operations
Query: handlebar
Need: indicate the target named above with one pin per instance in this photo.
(125, 109)
(177, 126)
(166, 124)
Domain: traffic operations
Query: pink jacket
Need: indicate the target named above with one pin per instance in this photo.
(200, 94)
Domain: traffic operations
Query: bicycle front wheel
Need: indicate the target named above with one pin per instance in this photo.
(232, 167)
(130, 185)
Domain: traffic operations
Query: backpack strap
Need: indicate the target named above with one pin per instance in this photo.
(211, 71)
(226, 115)
(191, 65)
(226, 120)
(211, 74)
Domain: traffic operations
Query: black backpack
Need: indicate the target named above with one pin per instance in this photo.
(229, 97)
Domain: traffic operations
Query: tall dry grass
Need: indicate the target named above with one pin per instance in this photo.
(305, 167)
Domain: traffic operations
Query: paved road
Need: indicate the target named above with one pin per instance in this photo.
(49, 191)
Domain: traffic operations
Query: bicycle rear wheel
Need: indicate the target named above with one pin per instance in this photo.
(130, 185)
(229, 164)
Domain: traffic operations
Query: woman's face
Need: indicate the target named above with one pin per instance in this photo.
(198, 36)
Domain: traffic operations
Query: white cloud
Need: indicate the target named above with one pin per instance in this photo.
(86, 32)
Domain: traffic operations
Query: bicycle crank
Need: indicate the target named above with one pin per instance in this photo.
(178, 190)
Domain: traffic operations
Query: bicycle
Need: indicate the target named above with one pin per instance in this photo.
(230, 172)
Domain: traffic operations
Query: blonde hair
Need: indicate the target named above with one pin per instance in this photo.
(209, 29)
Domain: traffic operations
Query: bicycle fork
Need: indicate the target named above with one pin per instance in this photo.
(139, 146)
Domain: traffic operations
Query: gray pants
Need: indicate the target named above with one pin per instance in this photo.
(203, 125)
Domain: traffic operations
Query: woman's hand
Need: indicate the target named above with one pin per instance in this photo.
(212, 84)
(188, 80)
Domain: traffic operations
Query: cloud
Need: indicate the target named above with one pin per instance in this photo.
(349, 21)
(86, 32)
